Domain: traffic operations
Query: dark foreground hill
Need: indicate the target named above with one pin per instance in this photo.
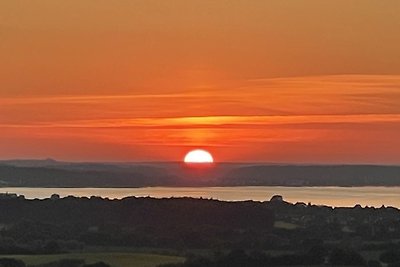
(296, 234)
(138, 222)
(50, 173)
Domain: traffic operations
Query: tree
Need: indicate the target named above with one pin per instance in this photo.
(8, 262)
(97, 264)
(346, 257)
(391, 256)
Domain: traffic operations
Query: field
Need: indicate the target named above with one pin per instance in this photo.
(115, 259)
(285, 225)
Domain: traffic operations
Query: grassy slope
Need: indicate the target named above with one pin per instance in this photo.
(115, 259)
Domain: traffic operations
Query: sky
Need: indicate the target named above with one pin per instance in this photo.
(300, 81)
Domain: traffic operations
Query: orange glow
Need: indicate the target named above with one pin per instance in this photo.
(198, 156)
(282, 120)
(150, 80)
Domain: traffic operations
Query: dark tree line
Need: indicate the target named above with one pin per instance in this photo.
(53, 226)
(315, 257)
(10, 262)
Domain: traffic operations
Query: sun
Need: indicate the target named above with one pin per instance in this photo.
(198, 156)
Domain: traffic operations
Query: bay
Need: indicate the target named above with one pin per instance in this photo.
(332, 196)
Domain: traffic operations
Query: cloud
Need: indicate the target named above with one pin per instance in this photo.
(308, 113)
(262, 101)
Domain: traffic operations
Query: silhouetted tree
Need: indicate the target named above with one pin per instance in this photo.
(392, 256)
(346, 257)
(374, 263)
(98, 264)
(8, 262)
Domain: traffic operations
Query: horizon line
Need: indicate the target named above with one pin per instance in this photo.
(49, 159)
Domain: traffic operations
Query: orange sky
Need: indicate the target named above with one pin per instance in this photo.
(273, 81)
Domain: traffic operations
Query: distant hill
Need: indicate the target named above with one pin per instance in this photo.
(63, 176)
(31, 162)
(51, 173)
(314, 175)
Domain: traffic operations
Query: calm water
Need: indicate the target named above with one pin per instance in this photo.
(332, 196)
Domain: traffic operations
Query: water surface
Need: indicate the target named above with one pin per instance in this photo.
(332, 196)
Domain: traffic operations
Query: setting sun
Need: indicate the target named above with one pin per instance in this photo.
(198, 156)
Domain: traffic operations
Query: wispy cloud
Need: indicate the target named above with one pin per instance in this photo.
(215, 121)
(82, 99)
(325, 114)
(325, 95)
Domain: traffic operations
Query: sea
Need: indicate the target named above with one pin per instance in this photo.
(370, 196)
